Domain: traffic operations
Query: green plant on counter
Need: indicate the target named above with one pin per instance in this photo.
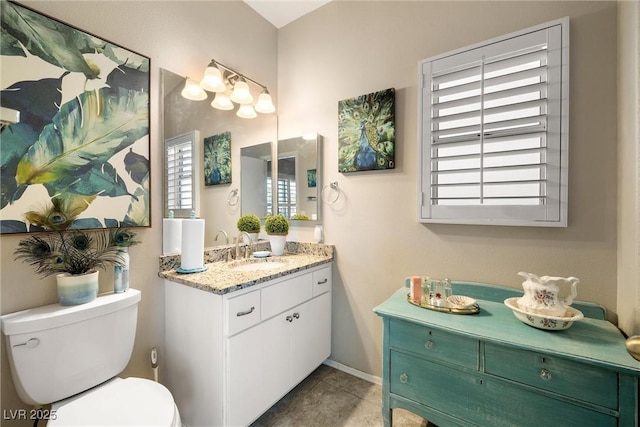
(300, 217)
(249, 223)
(276, 224)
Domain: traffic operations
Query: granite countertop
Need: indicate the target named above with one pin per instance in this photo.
(221, 277)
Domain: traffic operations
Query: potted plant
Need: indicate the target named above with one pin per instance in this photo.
(250, 224)
(74, 256)
(277, 227)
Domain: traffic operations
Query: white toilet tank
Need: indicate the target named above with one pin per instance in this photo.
(57, 351)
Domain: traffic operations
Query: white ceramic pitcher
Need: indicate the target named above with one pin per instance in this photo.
(541, 294)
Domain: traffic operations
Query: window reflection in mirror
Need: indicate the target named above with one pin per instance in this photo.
(298, 182)
(255, 179)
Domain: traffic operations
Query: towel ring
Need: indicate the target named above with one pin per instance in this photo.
(233, 198)
(333, 186)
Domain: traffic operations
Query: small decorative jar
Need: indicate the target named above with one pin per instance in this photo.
(121, 272)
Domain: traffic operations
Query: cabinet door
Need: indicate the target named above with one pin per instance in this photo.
(258, 363)
(311, 336)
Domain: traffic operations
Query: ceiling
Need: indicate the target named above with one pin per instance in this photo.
(281, 12)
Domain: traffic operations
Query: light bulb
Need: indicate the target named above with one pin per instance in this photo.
(212, 80)
(192, 91)
(241, 93)
(222, 102)
(265, 104)
(246, 111)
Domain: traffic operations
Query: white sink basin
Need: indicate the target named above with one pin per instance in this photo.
(258, 266)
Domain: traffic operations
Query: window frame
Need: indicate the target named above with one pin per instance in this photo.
(553, 213)
(193, 138)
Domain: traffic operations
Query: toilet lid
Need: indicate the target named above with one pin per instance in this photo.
(123, 402)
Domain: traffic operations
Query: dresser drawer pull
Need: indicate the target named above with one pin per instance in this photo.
(244, 313)
(545, 374)
(404, 378)
(428, 345)
(322, 282)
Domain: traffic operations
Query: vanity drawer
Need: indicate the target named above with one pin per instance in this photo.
(286, 294)
(242, 312)
(570, 378)
(321, 281)
(434, 343)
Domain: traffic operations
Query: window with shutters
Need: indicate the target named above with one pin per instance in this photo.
(494, 131)
(181, 174)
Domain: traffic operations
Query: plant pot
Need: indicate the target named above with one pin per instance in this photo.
(74, 289)
(277, 242)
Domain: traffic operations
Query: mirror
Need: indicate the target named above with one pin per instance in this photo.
(299, 182)
(255, 179)
(218, 203)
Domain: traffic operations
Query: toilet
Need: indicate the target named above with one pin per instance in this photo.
(70, 356)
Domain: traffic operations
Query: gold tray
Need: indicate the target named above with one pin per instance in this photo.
(472, 309)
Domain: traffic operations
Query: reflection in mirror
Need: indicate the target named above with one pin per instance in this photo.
(181, 116)
(255, 179)
(299, 178)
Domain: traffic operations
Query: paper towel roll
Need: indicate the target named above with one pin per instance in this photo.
(171, 235)
(192, 254)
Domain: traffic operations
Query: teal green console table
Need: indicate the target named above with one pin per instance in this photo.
(490, 369)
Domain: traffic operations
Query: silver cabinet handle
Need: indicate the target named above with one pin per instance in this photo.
(322, 282)
(244, 313)
(545, 374)
(289, 319)
(428, 345)
(404, 378)
(296, 315)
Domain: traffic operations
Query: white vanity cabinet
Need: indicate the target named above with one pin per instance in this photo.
(230, 357)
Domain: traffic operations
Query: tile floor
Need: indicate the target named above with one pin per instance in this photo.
(332, 398)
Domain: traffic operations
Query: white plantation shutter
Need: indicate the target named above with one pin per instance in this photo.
(180, 170)
(494, 131)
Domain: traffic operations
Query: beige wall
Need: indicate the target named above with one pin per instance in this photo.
(179, 36)
(629, 166)
(345, 49)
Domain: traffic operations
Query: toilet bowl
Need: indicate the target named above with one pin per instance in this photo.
(118, 402)
(70, 356)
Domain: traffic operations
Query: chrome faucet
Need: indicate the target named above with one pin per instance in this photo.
(238, 239)
(226, 236)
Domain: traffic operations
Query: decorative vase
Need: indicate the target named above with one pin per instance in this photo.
(277, 242)
(253, 237)
(74, 289)
(317, 234)
(121, 272)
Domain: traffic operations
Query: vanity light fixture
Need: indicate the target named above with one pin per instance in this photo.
(193, 91)
(218, 78)
(246, 111)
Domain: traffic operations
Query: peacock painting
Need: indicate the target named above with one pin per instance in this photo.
(217, 159)
(366, 132)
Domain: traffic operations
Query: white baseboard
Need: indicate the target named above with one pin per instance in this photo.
(356, 373)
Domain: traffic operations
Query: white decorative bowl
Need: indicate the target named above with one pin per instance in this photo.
(547, 323)
(460, 301)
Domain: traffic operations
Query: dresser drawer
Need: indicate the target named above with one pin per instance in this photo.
(321, 281)
(478, 399)
(434, 343)
(286, 294)
(570, 378)
(242, 312)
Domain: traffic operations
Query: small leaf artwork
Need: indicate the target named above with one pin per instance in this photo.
(366, 132)
(217, 159)
(74, 125)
